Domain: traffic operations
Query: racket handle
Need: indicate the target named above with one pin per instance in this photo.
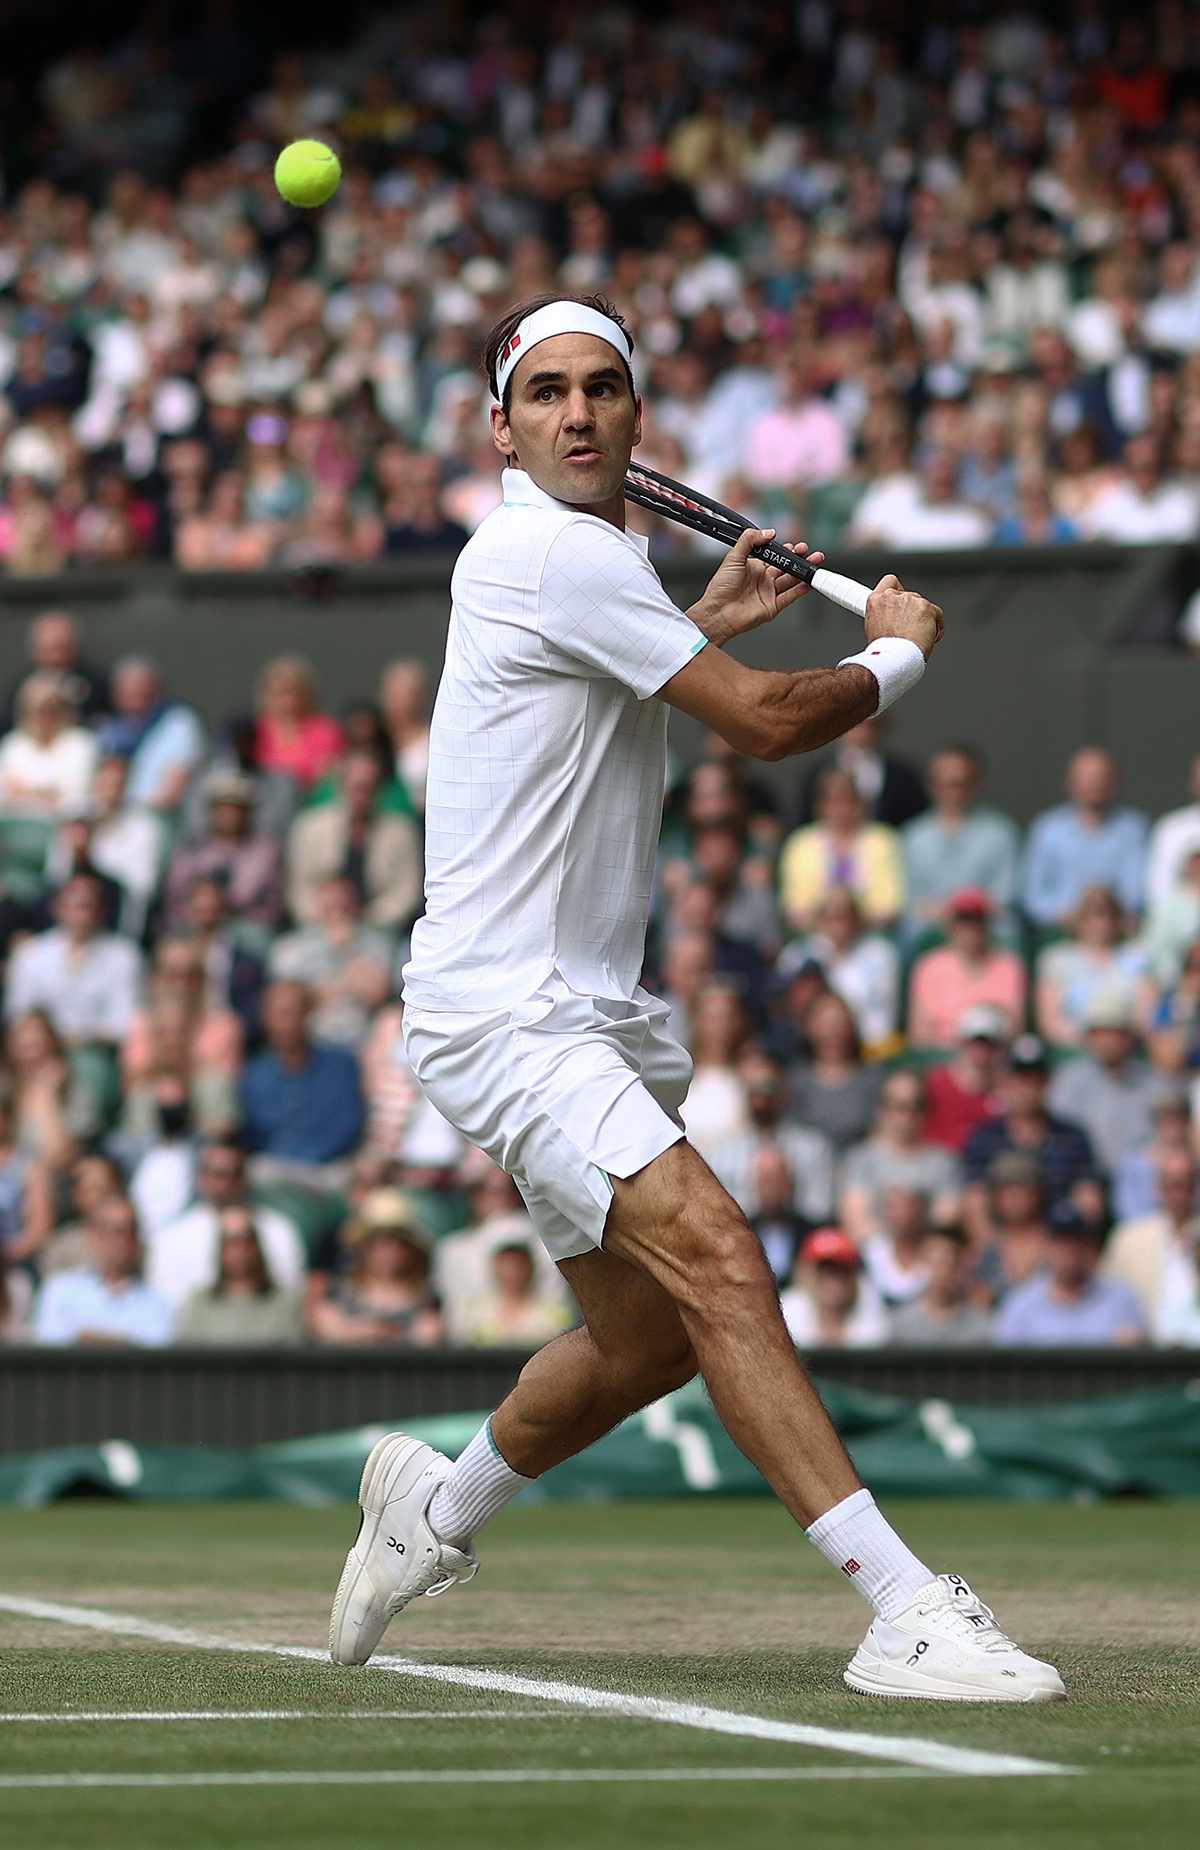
(834, 585)
(841, 590)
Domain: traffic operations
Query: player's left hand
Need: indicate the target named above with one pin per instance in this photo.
(744, 593)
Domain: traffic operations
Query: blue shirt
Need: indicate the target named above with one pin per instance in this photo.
(173, 741)
(77, 1302)
(1064, 858)
(1033, 1315)
(313, 1113)
(1063, 1156)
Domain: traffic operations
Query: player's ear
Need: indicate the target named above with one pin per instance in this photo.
(637, 419)
(502, 436)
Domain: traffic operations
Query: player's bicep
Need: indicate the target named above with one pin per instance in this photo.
(726, 696)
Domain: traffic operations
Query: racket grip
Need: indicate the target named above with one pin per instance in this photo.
(841, 590)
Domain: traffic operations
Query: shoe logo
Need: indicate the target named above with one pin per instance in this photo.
(919, 1650)
(976, 1618)
(398, 1546)
(851, 1567)
(961, 1589)
(1008, 1673)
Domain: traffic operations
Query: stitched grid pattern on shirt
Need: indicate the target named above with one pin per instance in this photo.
(547, 761)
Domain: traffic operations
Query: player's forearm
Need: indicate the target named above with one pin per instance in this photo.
(813, 706)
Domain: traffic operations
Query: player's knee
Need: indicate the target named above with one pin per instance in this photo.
(725, 1262)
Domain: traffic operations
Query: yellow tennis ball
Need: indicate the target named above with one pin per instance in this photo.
(308, 173)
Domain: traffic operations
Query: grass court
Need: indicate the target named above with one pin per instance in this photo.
(665, 1673)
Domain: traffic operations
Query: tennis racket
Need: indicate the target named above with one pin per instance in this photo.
(689, 508)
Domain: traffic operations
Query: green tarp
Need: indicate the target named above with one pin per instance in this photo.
(1134, 1444)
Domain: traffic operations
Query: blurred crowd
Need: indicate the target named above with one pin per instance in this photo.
(948, 1067)
(931, 281)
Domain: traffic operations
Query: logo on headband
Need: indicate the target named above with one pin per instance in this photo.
(510, 347)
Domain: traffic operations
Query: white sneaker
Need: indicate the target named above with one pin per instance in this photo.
(947, 1647)
(396, 1555)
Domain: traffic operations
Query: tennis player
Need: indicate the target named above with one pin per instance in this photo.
(526, 1025)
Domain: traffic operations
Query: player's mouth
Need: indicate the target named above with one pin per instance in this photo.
(582, 456)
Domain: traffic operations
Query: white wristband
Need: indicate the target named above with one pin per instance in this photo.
(896, 663)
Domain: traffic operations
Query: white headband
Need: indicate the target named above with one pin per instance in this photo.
(557, 318)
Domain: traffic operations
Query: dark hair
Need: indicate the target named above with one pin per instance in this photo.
(509, 323)
(262, 1283)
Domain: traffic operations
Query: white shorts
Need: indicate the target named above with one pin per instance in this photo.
(563, 1091)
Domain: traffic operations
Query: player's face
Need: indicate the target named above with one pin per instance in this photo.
(571, 423)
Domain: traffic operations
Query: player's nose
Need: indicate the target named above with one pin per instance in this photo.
(578, 414)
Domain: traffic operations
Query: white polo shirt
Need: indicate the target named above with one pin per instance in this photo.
(547, 759)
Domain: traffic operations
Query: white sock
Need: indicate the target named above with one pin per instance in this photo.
(855, 1536)
(479, 1485)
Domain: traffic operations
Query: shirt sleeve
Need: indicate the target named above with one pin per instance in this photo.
(603, 605)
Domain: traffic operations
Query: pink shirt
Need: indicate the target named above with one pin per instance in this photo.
(305, 753)
(805, 443)
(943, 988)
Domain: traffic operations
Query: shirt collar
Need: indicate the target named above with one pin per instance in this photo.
(520, 490)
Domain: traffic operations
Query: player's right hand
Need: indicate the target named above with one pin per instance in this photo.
(893, 611)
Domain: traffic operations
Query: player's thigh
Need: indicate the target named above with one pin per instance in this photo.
(675, 1221)
(630, 1317)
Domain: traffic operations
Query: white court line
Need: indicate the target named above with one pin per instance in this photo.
(470, 1776)
(908, 1750)
(286, 1715)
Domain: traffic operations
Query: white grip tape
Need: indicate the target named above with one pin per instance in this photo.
(896, 663)
(841, 590)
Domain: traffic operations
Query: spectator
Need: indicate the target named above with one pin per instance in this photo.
(16, 1301)
(1014, 1248)
(893, 1254)
(104, 1301)
(85, 980)
(124, 844)
(889, 788)
(1061, 1149)
(807, 1154)
(1097, 959)
(295, 739)
(1146, 506)
(801, 439)
(183, 1256)
(942, 1316)
(462, 1260)
(958, 843)
(745, 904)
(1174, 839)
(969, 972)
(1087, 841)
(301, 1100)
(404, 699)
(416, 523)
(1175, 1023)
(514, 1313)
(828, 1305)
(840, 849)
(1036, 521)
(90, 1179)
(938, 519)
(386, 1297)
(234, 972)
(1108, 1089)
(162, 1156)
(694, 913)
(861, 967)
(250, 864)
(964, 1093)
(242, 1306)
(688, 966)
(46, 764)
(715, 1107)
(164, 1061)
(26, 1195)
(1072, 1303)
(346, 964)
(380, 853)
(833, 1091)
(54, 648)
(896, 1156)
(774, 1218)
(1157, 1255)
(1136, 1178)
(161, 739)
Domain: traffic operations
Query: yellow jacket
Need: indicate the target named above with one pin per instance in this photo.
(806, 873)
